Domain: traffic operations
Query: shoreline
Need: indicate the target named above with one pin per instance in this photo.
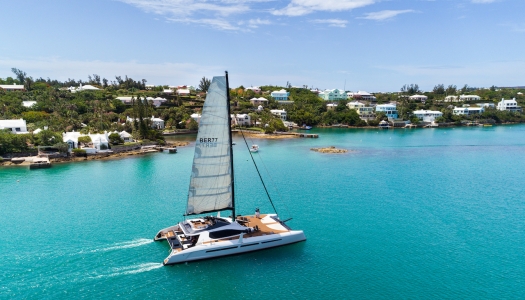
(99, 156)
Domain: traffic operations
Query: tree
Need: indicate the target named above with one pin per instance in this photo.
(204, 84)
(451, 89)
(193, 125)
(115, 139)
(20, 75)
(439, 89)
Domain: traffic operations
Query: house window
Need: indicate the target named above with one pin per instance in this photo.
(17, 129)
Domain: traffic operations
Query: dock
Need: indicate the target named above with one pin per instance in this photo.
(40, 163)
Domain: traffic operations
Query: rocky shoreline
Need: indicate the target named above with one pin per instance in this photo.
(330, 149)
(98, 156)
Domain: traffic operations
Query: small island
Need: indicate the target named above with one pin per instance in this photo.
(330, 149)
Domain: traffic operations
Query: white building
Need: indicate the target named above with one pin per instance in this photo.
(241, 119)
(12, 87)
(16, 126)
(389, 109)
(183, 92)
(281, 113)
(474, 110)
(255, 89)
(427, 115)
(281, 95)
(331, 106)
(156, 123)
(128, 100)
(361, 108)
(99, 141)
(81, 88)
(469, 98)
(361, 95)
(28, 104)
(451, 98)
(196, 117)
(421, 98)
(333, 95)
(509, 105)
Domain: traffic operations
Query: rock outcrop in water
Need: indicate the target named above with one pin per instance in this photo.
(330, 149)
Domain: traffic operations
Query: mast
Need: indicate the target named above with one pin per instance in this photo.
(231, 146)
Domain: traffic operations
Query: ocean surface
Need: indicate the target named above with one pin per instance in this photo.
(405, 214)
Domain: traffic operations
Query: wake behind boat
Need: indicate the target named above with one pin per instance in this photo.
(212, 190)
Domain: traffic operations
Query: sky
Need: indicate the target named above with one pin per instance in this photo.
(371, 45)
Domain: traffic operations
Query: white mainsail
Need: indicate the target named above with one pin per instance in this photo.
(211, 179)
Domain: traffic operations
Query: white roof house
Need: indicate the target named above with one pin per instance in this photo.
(331, 106)
(361, 108)
(281, 95)
(124, 135)
(86, 87)
(333, 95)
(97, 140)
(421, 98)
(472, 110)
(12, 87)
(355, 104)
(196, 117)
(156, 123)
(28, 103)
(255, 89)
(241, 119)
(183, 92)
(451, 98)
(18, 126)
(509, 105)
(427, 115)
(281, 113)
(363, 95)
(259, 101)
(469, 98)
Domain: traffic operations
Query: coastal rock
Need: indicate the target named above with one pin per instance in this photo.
(330, 149)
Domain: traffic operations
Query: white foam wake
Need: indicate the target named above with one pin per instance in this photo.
(129, 270)
(124, 245)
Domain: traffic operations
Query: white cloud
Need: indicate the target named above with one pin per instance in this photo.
(189, 7)
(303, 7)
(385, 14)
(332, 22)
(254, 23)
(483, 1)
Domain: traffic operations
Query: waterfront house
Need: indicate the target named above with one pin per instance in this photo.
(389, 109)
(259, 101)
(17, 126)
(427, 115)
(12, 87)
(241, 119)
(421, 98)
(125, 136)
(468, 110)
(509, 105)
(332, 95)
(361, 95)
(363, 110)
(281, 113)
(469, 98)
(98, 141)
(281, 95)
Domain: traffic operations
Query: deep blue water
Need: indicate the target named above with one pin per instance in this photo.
(418, 213)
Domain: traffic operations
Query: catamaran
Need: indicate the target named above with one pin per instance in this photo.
(212, 190)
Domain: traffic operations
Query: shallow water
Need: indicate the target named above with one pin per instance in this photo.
(418, 213)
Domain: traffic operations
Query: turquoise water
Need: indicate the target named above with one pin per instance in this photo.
(426, 213)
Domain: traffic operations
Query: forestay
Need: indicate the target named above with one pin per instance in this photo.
(211, 179)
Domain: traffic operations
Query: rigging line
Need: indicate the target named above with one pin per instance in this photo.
(274, 185)
(259, 173)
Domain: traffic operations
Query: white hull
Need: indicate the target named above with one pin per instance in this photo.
(225, 248)
(271, 233)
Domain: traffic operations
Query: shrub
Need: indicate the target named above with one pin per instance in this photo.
(79, 152)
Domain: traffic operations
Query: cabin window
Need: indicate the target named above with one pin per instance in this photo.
(224, 233)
